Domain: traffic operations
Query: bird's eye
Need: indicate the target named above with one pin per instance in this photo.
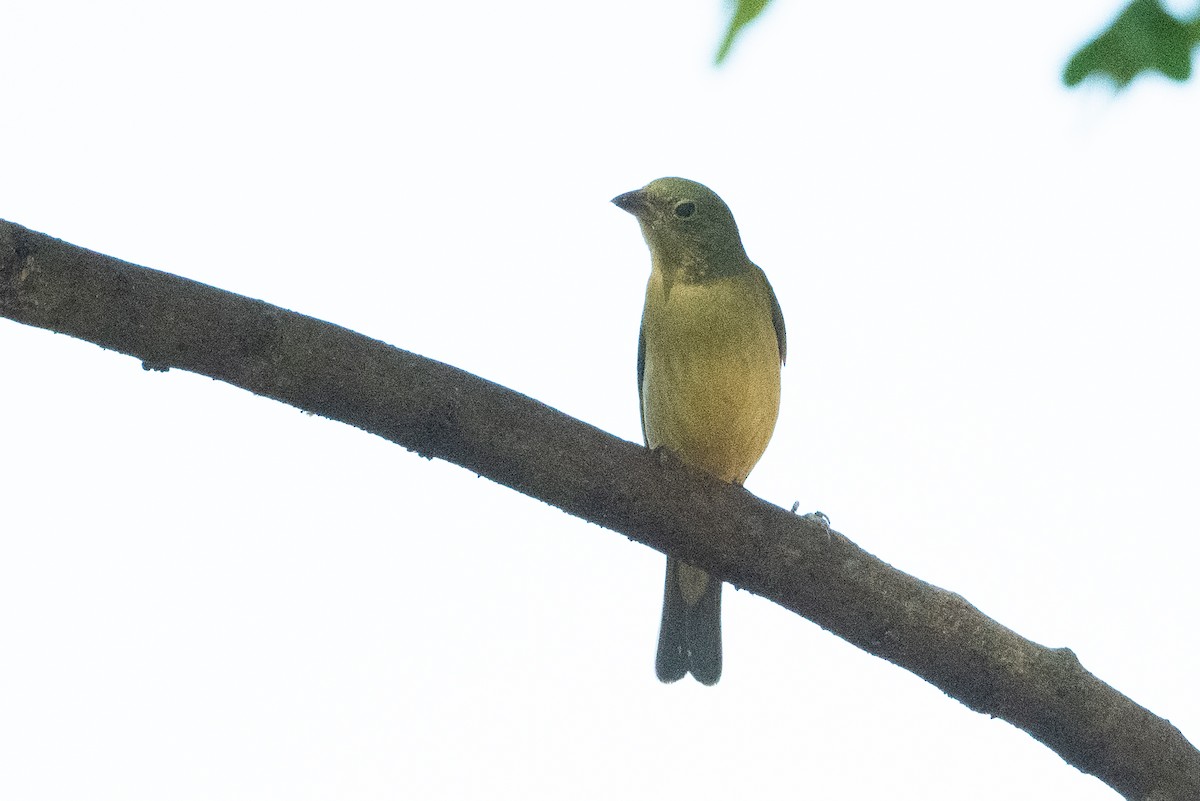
(685, 209)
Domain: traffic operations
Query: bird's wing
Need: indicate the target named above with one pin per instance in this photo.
(641, 372)
(776, 318)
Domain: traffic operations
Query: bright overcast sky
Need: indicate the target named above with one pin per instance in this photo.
(990, 286)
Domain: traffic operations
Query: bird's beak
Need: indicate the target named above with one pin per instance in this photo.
(633, 202)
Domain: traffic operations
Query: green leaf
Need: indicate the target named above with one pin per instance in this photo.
(1142, 38)
(745, 13)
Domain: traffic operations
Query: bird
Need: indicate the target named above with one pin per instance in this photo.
(710, 350)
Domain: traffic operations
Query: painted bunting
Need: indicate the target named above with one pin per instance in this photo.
(711, 347)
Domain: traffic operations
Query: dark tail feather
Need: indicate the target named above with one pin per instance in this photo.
(671, 663)
(690, 637)
(704, 635)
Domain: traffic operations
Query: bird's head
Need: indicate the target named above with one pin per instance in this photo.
(687, 226)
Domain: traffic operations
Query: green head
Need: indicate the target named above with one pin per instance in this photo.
(687, 226)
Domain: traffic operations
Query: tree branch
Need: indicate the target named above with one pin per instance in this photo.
(440, 411)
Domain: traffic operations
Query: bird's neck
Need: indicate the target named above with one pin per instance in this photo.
(692, 268)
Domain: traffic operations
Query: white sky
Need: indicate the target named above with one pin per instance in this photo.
(990, 286)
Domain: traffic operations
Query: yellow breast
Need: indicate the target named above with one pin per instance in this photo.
(710, 382)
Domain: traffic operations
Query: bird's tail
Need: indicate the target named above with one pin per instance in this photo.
(690, 637)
